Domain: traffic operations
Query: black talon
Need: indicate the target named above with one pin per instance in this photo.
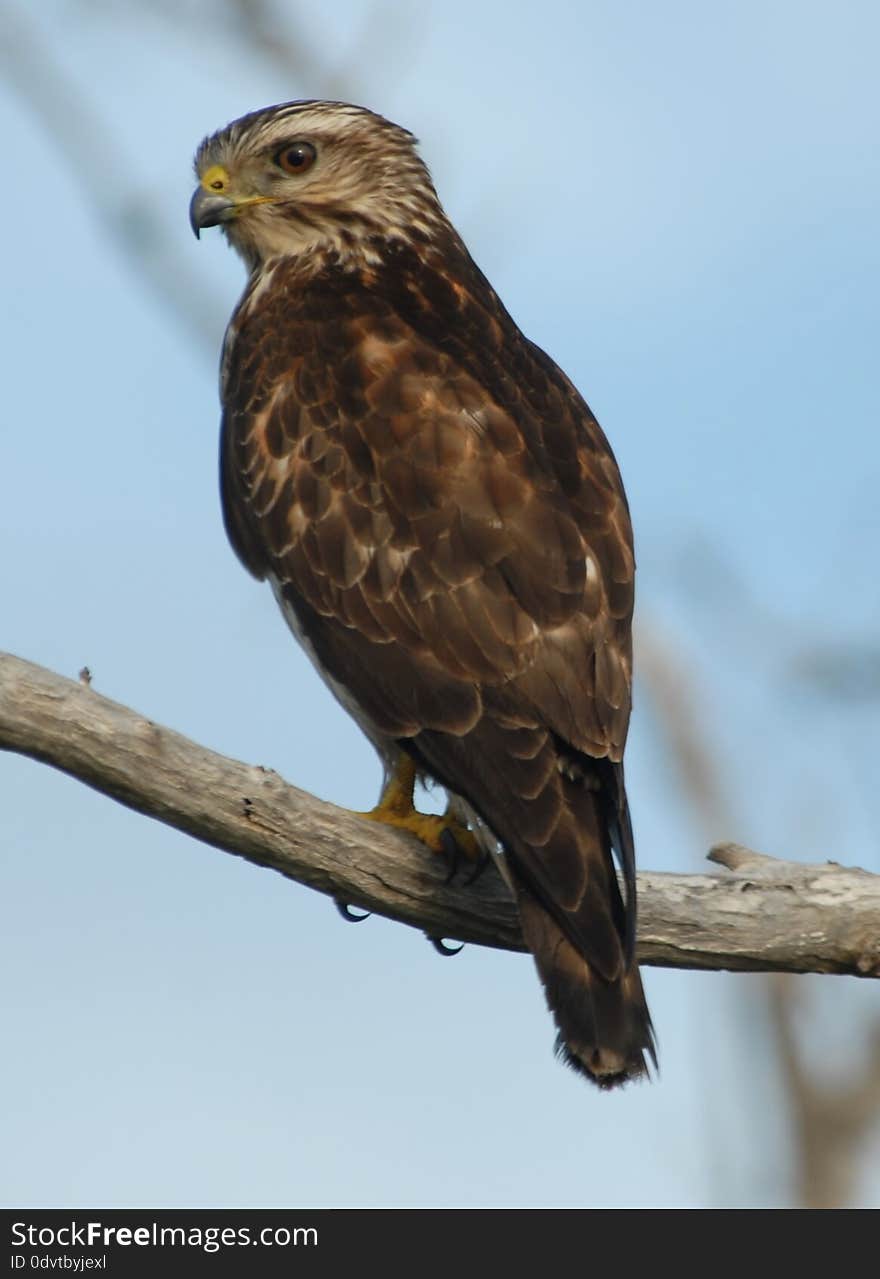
(346, 913)
(452, 851)
(482, 863)
(441, 948)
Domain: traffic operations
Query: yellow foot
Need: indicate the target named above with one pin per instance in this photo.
(444, 834)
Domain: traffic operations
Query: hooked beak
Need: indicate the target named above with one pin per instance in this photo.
(207, 209)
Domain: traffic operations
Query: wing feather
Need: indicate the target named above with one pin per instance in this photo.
(442, 511)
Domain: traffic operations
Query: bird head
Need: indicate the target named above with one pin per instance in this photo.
(307, 176)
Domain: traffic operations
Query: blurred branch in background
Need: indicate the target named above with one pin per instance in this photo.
(673, 694)
(308, 61)
(842, 673)
(123, 208)
(120, 203)
(259, 24)
(830, 1122)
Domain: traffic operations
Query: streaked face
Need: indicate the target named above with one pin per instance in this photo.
(308, 175)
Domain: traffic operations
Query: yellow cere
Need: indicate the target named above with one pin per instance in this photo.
(216, 178)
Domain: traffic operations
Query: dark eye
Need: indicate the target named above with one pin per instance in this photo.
(296, 157)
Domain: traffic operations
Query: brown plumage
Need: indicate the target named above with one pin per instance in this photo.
(443, 523)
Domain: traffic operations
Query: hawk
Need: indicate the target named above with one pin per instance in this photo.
(445, 529)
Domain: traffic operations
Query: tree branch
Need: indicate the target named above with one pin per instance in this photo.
(766, 915)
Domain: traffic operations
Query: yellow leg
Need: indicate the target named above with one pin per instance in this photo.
(396, 808)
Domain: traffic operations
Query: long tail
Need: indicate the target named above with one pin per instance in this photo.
(560, 816)
(580, 931)
(604, 1026)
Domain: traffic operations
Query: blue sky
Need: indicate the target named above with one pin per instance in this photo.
(680, 203)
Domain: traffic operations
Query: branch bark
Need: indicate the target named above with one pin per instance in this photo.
(761, 915)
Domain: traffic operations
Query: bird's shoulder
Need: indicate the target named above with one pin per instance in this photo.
(400, 460)
(414, 332)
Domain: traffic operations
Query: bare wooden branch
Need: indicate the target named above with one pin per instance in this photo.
(766, 915)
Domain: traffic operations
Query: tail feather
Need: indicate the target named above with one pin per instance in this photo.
(604, 1028)
(561, 817)
(581, 932)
